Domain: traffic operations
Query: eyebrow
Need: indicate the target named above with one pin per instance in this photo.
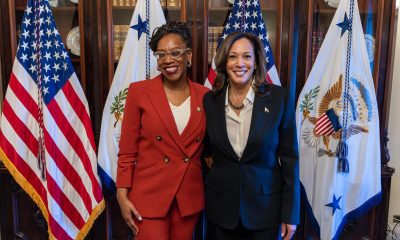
(242, 52)
(174, 48)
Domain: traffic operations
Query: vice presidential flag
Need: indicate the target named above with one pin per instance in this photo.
(338, 128)
(246, 16)
(46, 139)
(136, 63)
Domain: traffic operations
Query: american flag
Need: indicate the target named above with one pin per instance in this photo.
(46, 138)
(246, 16)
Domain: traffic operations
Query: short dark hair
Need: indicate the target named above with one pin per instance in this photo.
(180, 28)
(260, 85)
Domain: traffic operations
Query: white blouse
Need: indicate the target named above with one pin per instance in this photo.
(181, 114)
(238, 127)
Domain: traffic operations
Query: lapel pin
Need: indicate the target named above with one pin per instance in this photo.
(198, 109)
(266, 110)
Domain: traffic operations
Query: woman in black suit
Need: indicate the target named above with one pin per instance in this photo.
(253, 189)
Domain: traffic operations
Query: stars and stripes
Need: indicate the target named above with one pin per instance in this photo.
(46, 138)
(327, 124)
(246, 16)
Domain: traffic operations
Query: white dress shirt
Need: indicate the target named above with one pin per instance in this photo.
(238, 127)
(181, 114)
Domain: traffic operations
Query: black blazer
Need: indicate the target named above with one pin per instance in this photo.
(262, 188)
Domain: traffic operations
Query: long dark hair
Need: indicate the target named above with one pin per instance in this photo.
(260, 85)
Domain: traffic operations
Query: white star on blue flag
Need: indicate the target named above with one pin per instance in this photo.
(240, 20)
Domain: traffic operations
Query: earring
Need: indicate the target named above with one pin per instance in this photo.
(189, 64)
(158, 68)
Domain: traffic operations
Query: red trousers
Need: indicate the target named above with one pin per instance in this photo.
(171, 227)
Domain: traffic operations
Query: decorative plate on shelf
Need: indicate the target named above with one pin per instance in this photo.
(332, 3)
(73, 42)
(74, 1)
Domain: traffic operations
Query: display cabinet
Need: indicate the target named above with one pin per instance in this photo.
(296, 30)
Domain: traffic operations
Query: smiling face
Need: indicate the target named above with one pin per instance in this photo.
(240, 62)
(173, 69)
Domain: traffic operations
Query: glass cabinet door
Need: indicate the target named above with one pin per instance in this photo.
(324, 11)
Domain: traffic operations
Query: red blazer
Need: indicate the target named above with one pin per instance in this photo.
(155, 162)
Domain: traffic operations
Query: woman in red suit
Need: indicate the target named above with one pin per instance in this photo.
(159, 178)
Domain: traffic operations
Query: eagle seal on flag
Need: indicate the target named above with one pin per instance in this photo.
(327, 125)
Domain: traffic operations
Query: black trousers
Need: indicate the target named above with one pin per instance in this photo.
(241, 233)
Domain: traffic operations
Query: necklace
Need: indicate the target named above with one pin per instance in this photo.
(236, 107)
